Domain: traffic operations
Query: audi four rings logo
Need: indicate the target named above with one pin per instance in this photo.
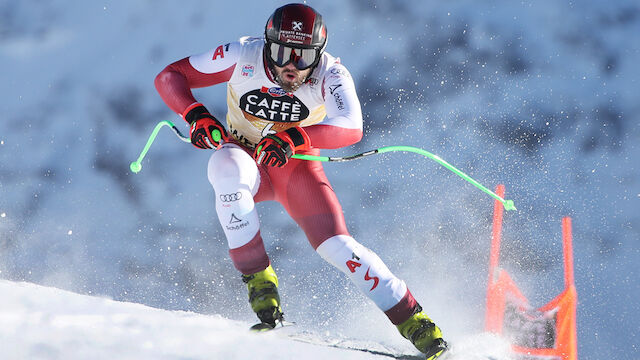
(231, 197)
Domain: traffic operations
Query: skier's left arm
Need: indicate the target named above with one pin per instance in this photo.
(343, 124)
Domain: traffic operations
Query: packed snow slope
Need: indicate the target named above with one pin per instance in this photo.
(46, 324)
(541, 95)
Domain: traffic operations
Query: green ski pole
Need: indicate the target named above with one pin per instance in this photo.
(508, 204)
(136, 166)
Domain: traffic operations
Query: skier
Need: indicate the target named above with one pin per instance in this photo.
(285, 96)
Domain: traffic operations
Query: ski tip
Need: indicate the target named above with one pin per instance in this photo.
(261, 327)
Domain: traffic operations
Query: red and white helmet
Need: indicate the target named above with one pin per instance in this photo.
(295, 33)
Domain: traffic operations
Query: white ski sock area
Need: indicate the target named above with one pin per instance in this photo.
(363, 267)
(234, 189)
(238, 218)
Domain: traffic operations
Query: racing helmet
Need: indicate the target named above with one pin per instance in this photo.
(295, 33)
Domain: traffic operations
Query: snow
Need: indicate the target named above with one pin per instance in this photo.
(540, 95)
(47, 323)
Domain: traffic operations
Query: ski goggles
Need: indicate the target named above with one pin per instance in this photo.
(302, 58)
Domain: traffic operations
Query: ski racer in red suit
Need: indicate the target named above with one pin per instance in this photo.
(285, 96)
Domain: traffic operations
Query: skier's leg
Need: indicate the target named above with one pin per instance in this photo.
(310, 200)
(370, 274)
(388, 292)
(236, 180)
(305, 192)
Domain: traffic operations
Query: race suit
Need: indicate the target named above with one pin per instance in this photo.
(327, 107)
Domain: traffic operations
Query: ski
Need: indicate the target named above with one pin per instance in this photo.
(262, 327)
(372, 348)
(344, 344)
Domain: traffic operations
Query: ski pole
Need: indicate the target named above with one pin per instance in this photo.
(136, 166)
(508, 204)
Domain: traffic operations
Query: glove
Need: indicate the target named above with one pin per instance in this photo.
(206, 131)
(276, 149)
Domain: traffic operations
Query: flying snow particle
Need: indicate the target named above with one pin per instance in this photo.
(69, 232)
(3, 215)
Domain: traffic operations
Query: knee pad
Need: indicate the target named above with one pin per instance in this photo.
(231, 164)
(365, 269)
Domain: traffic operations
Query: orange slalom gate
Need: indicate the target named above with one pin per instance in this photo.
(548, 332)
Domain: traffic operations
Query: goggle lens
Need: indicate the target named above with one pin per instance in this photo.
(301, 58)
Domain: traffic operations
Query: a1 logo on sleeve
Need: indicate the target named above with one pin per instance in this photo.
(219, 52)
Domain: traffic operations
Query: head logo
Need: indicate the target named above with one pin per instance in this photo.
(297, 25)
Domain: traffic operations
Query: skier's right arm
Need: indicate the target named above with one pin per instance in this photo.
(175, 82)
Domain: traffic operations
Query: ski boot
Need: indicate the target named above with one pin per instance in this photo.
(424, 334)
(264, 298)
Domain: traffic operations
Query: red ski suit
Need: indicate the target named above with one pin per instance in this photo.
(326, 106)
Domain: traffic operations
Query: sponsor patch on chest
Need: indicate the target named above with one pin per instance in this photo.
(247, 70)
(273, 104)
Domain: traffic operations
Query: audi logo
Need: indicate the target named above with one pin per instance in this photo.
(231, 197)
